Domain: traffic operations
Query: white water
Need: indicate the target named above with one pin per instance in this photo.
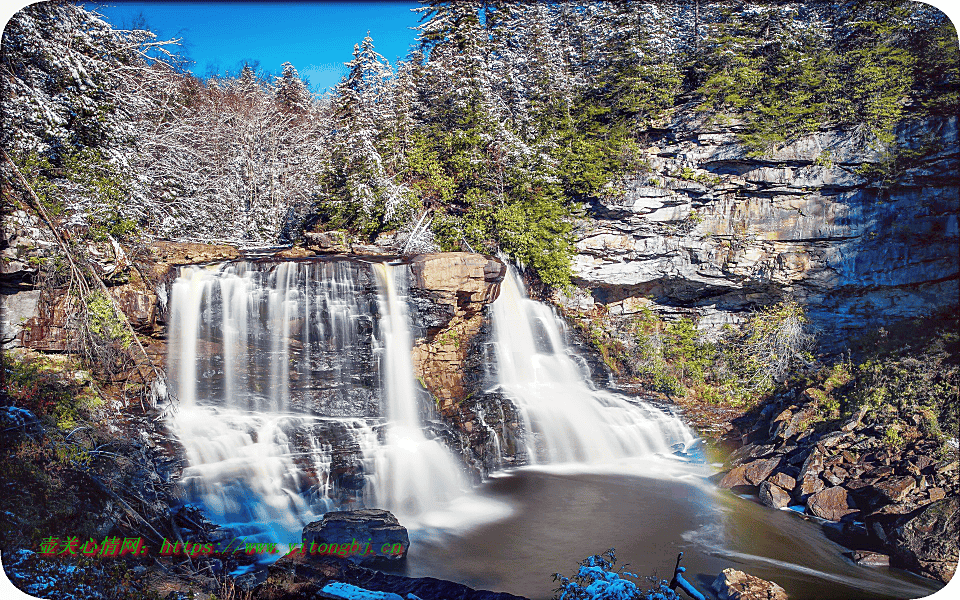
(241, 338)
(566, 418)
(275, 369)
(420, 475)
(263, 360)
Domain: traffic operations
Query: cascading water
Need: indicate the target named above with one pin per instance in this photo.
(283, 383)
(270, 368)
(423, 474)
(566, 418)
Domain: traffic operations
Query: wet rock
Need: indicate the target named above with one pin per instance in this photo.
(428, 314)
(927, 542)
(773, 496)
(868, 559)
(737, 585)
(375, 529)
(832, 504)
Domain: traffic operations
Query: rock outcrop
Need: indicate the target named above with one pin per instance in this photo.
(899, 500)
(737, 585)
(711, 230)
(927, 540)
(379, 538)
(298, 576)
(458, 285)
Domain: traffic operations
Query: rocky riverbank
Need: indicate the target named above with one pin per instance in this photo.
(894, 503)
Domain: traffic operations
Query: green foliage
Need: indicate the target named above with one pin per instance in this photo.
(39, 174)
(104, 321)
(787, 77)
(47, 388)
(82, 175)
(674, 358)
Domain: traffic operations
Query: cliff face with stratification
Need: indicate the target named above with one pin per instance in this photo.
(858, 233)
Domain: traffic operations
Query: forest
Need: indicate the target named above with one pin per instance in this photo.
(495, 133)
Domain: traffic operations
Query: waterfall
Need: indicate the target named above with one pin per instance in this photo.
(293, 402)
(423, 473)
(566, 418)
(265, 361)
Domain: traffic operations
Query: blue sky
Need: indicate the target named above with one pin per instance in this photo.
(316, 37)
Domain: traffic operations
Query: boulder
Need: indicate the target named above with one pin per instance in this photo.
(295, 252)
(832, 504)
(895, 489)
(783, 480)
(773, 496)
(808, 480)
(927, 541)
(459, 277)
(749, 474)
(737, 585)
(326, 241)
(188, 253)
(750, 452)
(369, 537)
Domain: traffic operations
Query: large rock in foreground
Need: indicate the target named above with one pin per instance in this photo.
(297, 576)
(737, 585)
(928, 541)
(369, 537)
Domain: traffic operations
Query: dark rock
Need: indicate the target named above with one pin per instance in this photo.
(808, 480)
(835, 476)
(896, 490)
(773, 496)
(927, 542)
(750, 452)
(750, 474)
(759, 470)
(832, 504)
(296, 576)
(737, 585)
(326, 241)
(783, 480)
(799, 420)
(832, 439)
(371, 537)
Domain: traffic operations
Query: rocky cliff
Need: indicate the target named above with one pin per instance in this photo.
(857, 232)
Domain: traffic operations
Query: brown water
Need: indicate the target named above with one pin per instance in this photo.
(560, 517)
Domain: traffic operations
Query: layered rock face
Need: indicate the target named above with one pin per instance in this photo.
(712, 231)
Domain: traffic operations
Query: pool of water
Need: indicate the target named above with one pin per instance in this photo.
(557, 516)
